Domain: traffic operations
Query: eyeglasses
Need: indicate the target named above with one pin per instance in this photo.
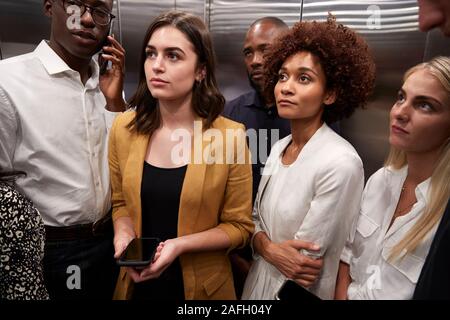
(100, 16)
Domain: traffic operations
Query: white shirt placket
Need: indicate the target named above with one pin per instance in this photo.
(93, 144)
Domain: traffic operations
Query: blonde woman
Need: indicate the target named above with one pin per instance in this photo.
(404, 201)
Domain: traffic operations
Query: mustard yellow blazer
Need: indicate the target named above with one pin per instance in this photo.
(213, 195)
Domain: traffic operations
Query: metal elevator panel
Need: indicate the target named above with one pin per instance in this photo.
(22, 26)
(396, 45)
(197, 7)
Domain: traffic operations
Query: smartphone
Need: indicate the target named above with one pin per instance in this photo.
(104, 63)
(291, 291)
(139, 252)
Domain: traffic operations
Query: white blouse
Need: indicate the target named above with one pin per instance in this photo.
(314, 199)
(373, 276)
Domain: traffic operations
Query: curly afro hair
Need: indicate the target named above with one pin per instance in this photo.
(344, 56)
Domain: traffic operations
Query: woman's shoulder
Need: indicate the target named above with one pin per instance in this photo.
(123, 119)
(381, 178)
(223, 123)
(120, 128)
(334, 149)
(339, 143)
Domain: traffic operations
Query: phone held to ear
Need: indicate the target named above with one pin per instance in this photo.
(139, 252)
(291, 291)
(104, 63)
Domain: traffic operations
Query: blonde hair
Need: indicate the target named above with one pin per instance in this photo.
(439, 191)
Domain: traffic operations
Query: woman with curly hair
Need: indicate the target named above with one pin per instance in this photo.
(404, 201)
(310, 192)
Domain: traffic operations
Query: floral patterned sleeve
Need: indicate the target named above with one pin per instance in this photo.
(22, 239)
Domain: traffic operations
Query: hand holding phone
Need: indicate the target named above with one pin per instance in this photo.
(104, 63)
(139, 252)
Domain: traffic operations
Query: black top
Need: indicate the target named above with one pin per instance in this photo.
(434, 280)
(249, 110)
(160, 199)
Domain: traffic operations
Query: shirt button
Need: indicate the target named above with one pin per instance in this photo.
(269, 112)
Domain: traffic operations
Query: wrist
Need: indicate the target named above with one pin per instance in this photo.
(264, 246)
(179, 244)
(267, 250)
(115, 105)
(124, 232)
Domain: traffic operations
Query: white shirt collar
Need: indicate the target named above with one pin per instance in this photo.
(53, 63)
(422, 189)
(399, 176)
(50, 59)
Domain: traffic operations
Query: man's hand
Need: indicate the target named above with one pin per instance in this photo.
(111, 83)
(285, 256)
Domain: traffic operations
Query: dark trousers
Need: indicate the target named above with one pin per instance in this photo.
(80, 269)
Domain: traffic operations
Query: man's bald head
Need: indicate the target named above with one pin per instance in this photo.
(260, 36)
(276, 22)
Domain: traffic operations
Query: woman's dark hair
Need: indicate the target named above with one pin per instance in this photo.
(344, 56)
(207, 101)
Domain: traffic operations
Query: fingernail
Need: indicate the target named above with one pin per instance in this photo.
(316, 247)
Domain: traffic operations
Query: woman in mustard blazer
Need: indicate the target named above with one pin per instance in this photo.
(179, 171)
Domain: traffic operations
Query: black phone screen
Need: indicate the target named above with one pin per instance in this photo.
(292, 291)
(140, 252)
(104, 63)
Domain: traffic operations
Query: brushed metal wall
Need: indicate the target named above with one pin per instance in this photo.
(389, 26)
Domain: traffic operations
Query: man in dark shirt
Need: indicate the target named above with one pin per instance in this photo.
(434, 280)
(260, 117)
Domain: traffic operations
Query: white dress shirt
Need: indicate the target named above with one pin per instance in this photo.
(315, 199)
(55, 129)
(373, 276)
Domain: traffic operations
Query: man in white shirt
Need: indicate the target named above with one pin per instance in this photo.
(55, 113)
